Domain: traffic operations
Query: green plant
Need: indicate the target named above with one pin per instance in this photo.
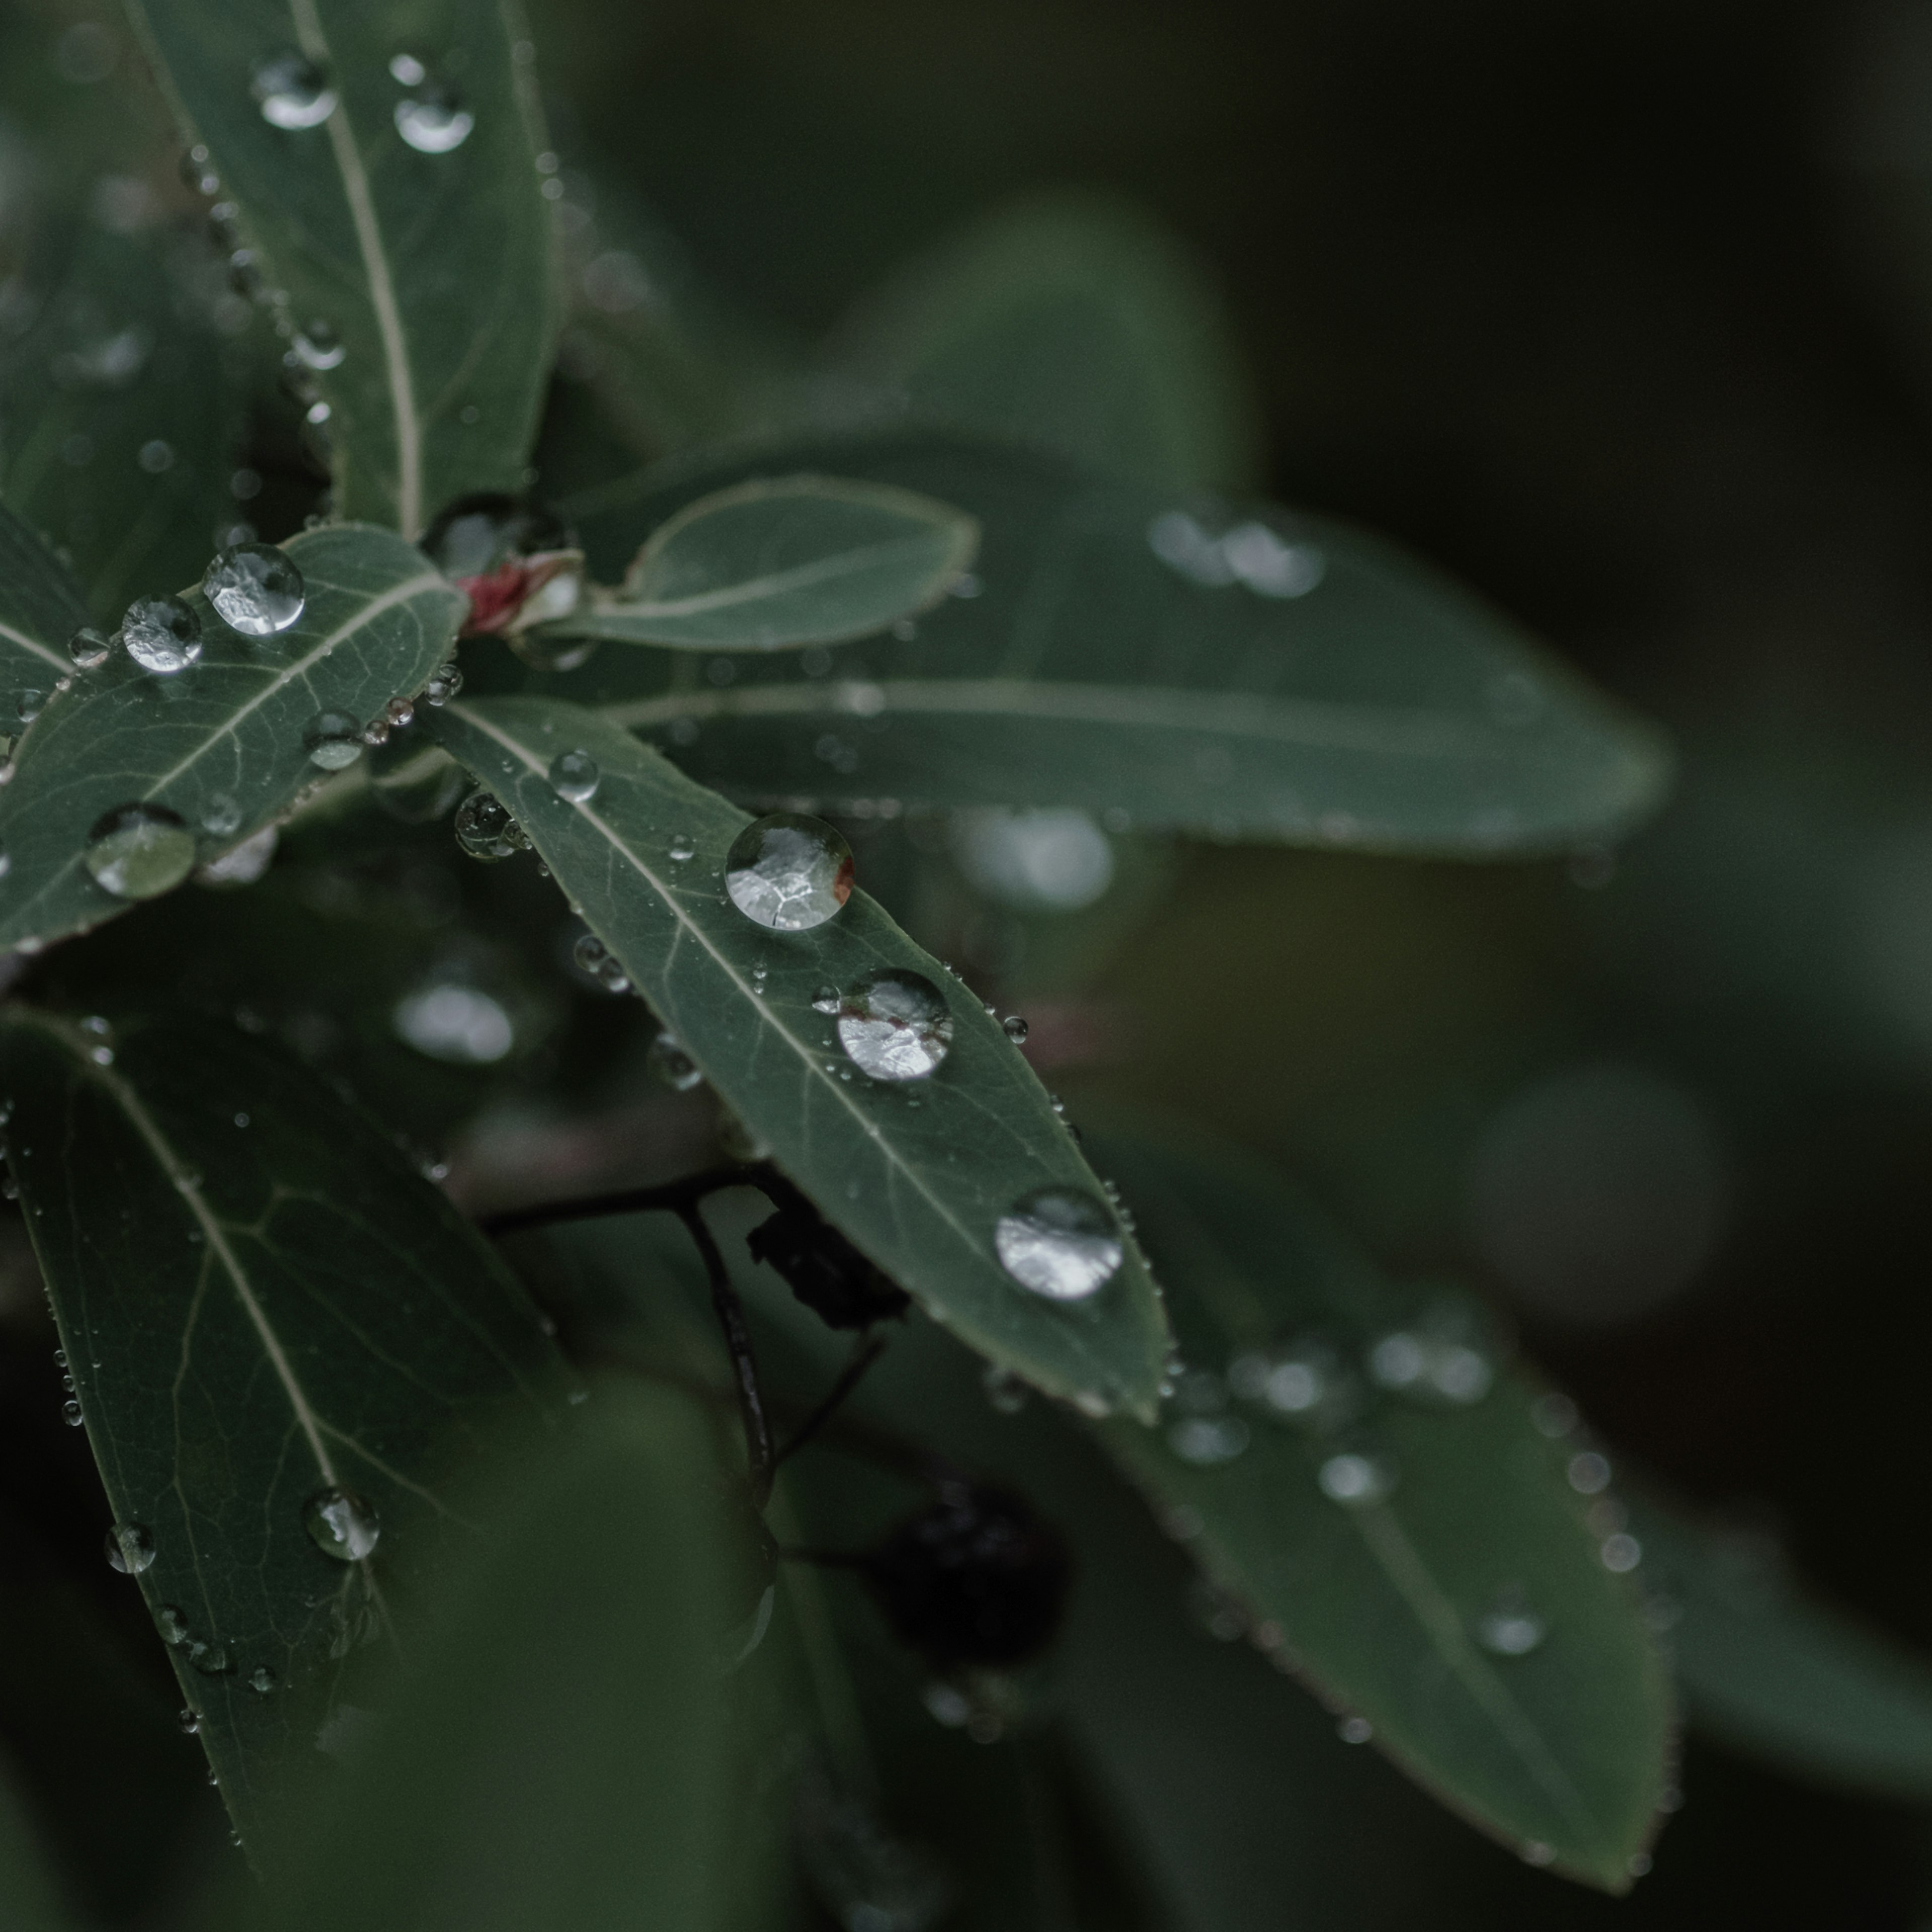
(973, 567)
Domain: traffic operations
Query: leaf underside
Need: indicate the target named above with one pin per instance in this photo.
(916, 1172)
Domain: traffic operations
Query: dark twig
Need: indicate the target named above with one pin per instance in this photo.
(870, 1348)
(669, 1196)
(738, 1343)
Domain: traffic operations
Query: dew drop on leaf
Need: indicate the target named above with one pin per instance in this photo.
(434, 121)
(789, 871)
(139, 851)
(1014, 1028)
(333, 740)
(341, 1524)
(189, 1719)
(130, 1549)
(826, 999)
(173, 1625)
(28, 705)
(1354, 1480)
(1509, 1627)
(574, 777)
(256, 589)
(594, 957)
(162, 635)
(683, 849)
(669, 1063)
(89, 647)
(316, 345)
(894, 1024)
(70, 1414)
(1059, 1243)
(262, 1680)
(291, 90)
(221, 815)
(485, 830)
(444, 683)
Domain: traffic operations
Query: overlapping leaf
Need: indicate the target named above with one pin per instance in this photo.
(1073, 322)
(1421, 1557)
(412, 276)
(1173, 661)
(260, 1300)
(918, 1172)
(224, 744)
(772, 565)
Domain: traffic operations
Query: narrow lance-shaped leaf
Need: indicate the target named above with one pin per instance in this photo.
(1368, 1482)
(382, 168)
(41, 608)
(285, 1343)
(933, 1167)
(776, 563)
(1169, 660)
(1074, 322)
(217, 751)
(1773, 1673)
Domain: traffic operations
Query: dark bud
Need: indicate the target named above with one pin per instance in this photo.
(822, 1267)
(976, 1580)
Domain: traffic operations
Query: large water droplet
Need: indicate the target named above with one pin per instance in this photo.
(333, 740)
(341, 1524)
(434, 121)
(1509, 1626)
(89, 647)
(574, 777)
(485, 830)
(1059, 1243)
(292, 90)
(789, 872)
(256, 589)
(894, 1024)
(671, 1064)
(130, 1549)
(139, 851)
(162, 635)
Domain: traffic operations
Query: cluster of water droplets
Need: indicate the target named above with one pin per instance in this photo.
(1249, 554)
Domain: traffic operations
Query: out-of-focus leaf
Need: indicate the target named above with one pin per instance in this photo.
(918, 1171)
(226, 745)
(555, 1757)
(1173, 661)
(794, 560)
(120, 429)
(261, 1303)
(1075, 322)
(401, 231)
(28, 1899)
(40, 609)
(1370, 1484)
(1777, 1674)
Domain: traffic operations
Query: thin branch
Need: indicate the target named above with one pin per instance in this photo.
(738, 1342)
(670, 1196)
(870, 1348)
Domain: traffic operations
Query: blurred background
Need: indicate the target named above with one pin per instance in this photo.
(1622, 314)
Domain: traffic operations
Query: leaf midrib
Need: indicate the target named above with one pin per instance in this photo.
(34, 644)
(753, 589)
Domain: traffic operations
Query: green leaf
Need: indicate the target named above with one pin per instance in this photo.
(554, 1757)
(41, 608)
(1074, 322)
(430, 271)
(221, 745)
(1459, 1604)
(1777, 1674)
(29, 1899)
(260, 1300)
(1381, 708)
(917, 1172)
(121, 431)
(770, 564)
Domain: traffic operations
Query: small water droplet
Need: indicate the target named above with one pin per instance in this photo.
(894, 1024)
(1059, 1243)
(262, 1679)
(574, 777)
(316, 345)
(130, 1549)
(162, 635)
(189, 1719)
(1621, 1553)
(1412, 1362)
(1355, 1730)
(485, 830)
(173, 1625)
(333, 740)
(603, 965)
(400, 713)
(434, 121)
(221, 815)
(1589, 1473)
(341, 1524)
(70, 1414)
(444, 684)
(255, 588)
(376, 732)
(1006, 1393)
(1207, 1440)
(139, 851)
(683, 848)
(789, 871)
(1355, 1480)
(1509, 1627)
(1014, 1028)
(28, 705)
(89, 647)
(826, 999)
(211, 1659)
(292, 91)
(670, 1063)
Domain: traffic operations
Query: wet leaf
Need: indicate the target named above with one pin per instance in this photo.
(1115, 659)
(1074, 322)
(41, 608)
(224, 745)
(261, 1301)
(1419, 1555)
(917, 1171)
(555, 1754)
(1778, 1674)
(395, 217)
(776, 563)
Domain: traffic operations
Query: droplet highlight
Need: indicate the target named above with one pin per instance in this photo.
(574, 777)
(333, 740)
(130, 1549)
(486, 830)
(340, 1524)
(162, 635)
(789, 871)
(1059, 1243)
(139, 851)
(434, 121)
(895, 1025)
(256, 589)
(291, 90)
